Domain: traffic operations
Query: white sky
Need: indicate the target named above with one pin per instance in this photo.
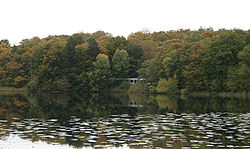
(22, 19)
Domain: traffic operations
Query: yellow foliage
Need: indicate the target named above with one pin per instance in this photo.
(19, 81)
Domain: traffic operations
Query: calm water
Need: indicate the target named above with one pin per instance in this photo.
(120, 121)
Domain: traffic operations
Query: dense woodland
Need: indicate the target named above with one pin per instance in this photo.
(200, 60)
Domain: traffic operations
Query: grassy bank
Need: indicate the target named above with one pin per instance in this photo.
(12, 89)
(222, 94)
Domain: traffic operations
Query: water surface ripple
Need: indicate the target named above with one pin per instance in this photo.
(210, 130)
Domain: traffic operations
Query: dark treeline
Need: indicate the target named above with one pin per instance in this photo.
(201, 60)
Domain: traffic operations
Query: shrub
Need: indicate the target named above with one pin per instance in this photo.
(139, 88)
(33, 84)
(167, 86)
(62, 84)
(152, 89)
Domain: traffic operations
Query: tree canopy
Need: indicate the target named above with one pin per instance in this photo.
(198, 60)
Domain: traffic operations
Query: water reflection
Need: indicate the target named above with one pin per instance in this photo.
(74, 121)
(167, 102)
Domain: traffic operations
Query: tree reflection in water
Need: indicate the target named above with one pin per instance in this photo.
(107, 119)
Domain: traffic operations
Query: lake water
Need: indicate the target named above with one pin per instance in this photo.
(66, 121)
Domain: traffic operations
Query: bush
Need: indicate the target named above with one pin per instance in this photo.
(62, 84)
(162, 86)
(139, 88)
(33, 84)
(6, 82)
(168, 87)
(152, 90)
(185, 93)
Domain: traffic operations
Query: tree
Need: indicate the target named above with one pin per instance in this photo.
(150, 69)
(4, 43)
(102, 71)
(222, 54)
(68, 53)
(173, 65)
(135, 53)
(239, 76)
(10, 72)
(160, 36)
(114, 43)
(120, 64)
(244, 55)
(193, 71)
(98, 35)
(93, 49)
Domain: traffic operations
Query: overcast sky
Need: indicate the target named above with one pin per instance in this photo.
(22, 19)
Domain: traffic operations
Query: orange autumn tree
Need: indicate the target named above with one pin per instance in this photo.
(10, 72)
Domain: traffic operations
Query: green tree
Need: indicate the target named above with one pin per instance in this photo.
(114, 43)
(145, 40)
(172, 65)
(86, 56)
(222, 54)
(120, 64)
(93, 49)
(244, 55)
(83, 60)
(135, 53)
(102, 71)
(239, 76)
(69, 58)
(150, 69)
(193, 71)
(68, 53)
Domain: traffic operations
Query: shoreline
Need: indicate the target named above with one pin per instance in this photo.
(222, 94)
(11, 89)
(125, 91)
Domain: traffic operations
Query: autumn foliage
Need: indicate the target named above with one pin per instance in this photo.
(199, 60)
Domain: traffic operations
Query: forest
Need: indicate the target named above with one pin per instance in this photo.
(187, 60)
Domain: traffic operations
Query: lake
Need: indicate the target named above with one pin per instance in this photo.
(69, 121)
